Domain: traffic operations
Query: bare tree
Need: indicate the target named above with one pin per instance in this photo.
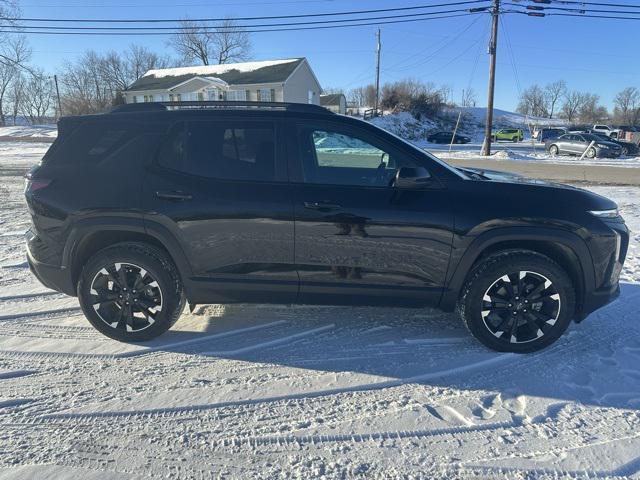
(225, 43)
(591, 111)
(83, 85)
(532, 102)
(16, 94)
(553, 93)
(14, 53)
(572, 104)
(627, 105)
(469, 97)
(118, 71)
(37, 105)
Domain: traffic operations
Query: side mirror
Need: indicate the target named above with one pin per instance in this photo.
(411, 177)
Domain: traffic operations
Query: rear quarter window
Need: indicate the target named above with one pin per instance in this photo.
(90, 143)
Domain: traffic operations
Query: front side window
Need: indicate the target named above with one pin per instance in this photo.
(345, 158)
(219, 150)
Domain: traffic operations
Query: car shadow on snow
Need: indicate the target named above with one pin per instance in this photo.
(596, 362)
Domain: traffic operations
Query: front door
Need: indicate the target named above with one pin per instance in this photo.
(359, 240)
(220, 189)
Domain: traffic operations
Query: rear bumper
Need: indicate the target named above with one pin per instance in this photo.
(51, 276)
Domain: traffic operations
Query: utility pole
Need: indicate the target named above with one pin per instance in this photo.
(493, 45)
(377, 72)
(55, 80)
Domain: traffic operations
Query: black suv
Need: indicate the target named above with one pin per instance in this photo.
(149, 206)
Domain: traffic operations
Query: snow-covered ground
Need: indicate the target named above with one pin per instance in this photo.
(240, 391)
(26, 131)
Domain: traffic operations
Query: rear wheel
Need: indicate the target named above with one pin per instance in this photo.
(517, 301)
(591, 153)
(554, 150)
(131, 292)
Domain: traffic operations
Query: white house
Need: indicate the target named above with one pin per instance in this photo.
(289, 80)
(336, 102)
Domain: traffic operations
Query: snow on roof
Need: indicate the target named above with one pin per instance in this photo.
(209, 70)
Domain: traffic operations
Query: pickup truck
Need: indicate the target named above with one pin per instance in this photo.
(606, 130)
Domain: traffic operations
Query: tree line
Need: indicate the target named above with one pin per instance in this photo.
(556, 100)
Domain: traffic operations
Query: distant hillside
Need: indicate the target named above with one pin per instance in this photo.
(503, 118)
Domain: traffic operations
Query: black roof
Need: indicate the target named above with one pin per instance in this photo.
(267, 74)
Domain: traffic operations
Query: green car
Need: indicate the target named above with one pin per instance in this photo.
(509, 134)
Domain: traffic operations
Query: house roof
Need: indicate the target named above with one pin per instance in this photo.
(246, 73)
(331, 99)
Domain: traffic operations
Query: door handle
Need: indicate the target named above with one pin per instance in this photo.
(322, 206)
(173, 195)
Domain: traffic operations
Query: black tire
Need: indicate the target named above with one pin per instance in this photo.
(549, 310)
(591, 153)
(624, 152)
(124, 313)
(554, 150)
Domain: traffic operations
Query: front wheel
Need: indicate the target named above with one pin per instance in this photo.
(591, 153)
(517, 301)
(554, 150)
(131, 292)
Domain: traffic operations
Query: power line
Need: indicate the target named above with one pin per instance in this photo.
(541, 14)
(235, 27)
(598, 4)
(577, 10)
(323, 27)
(275, 17)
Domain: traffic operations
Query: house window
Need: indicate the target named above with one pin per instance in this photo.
(264, 94)
(237, 95)
(200, 96)
(247, 94)
(148, 98)
(135, 99)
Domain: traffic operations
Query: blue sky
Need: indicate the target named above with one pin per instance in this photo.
(594, 55)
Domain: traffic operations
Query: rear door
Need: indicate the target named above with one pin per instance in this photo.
(358, 240)
(220, 188)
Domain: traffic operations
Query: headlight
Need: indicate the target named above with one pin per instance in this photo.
(613, 213)
(602, 145)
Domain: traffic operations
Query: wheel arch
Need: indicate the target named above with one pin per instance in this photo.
(89, 237)
(565, 248)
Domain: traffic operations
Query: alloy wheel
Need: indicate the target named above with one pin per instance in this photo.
(520, 307)
(126, 297)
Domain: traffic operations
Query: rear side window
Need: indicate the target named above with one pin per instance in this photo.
(211, 149)
(90, 143)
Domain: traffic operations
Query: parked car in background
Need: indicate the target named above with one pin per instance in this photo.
(627, 148)
(579, 143)
(551, 133)
(445, 137)
(606, 130)
(509, 134)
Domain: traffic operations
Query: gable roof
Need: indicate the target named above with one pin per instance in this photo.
(331, 99)
(267, 71)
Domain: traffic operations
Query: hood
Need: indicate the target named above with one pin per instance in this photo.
(571, 193)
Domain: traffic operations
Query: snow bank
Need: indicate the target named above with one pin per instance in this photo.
(406, 126)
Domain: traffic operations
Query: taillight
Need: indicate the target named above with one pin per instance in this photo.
(35, 184)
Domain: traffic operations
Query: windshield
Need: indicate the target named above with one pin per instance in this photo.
(594, 137)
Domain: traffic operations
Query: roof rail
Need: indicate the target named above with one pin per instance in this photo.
(214, 104)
